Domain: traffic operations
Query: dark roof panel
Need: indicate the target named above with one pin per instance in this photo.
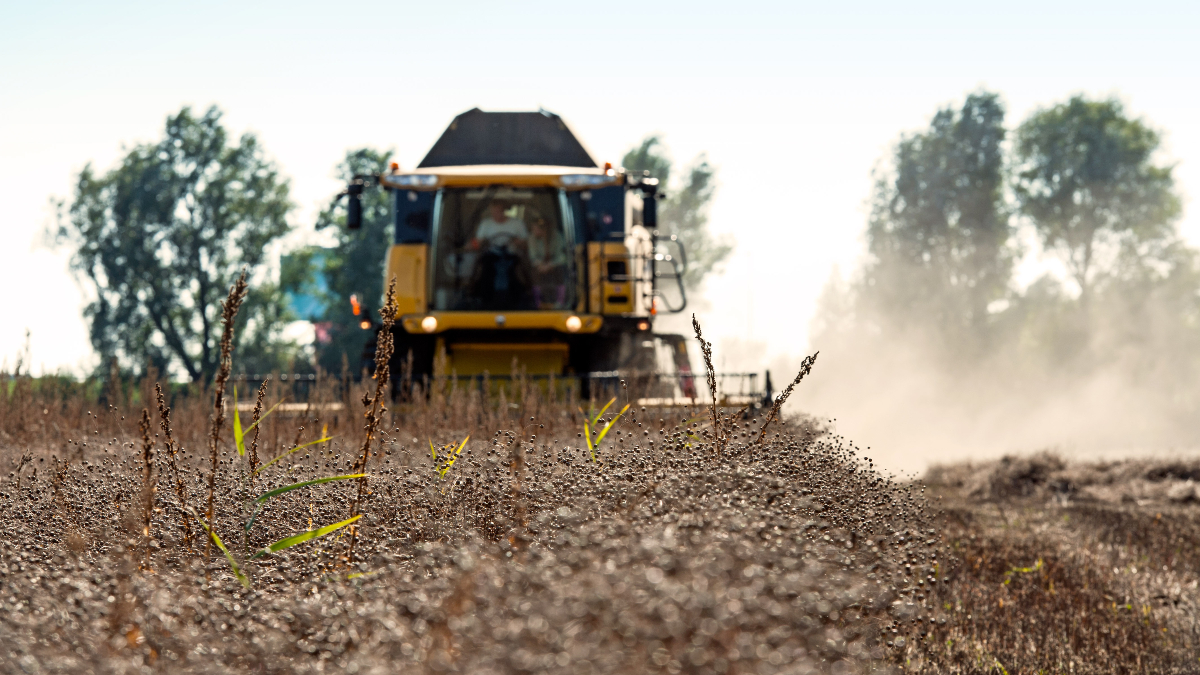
(478, 137)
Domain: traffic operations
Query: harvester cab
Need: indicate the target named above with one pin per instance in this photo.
(512, 248)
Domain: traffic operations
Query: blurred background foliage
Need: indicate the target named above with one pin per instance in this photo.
(159, 239)
(1119, 292)
(353, 266)
(683, 210)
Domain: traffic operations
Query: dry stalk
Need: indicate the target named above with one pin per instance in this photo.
(375, 404)
(706, 351)
(60, 475)
(148, 486)
(805, 367)
(26, 458)
(254, 419)
(229, 310)
(164, 423)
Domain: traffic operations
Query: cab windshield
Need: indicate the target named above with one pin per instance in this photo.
(500, 248)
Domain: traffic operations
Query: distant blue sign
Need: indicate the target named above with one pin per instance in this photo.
(302, 278)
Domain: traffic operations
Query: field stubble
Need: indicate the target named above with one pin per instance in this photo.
(694, 543)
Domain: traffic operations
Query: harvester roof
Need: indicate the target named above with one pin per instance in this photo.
(477, 138)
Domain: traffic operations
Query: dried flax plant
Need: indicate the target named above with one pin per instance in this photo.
(706, 351)
(229, 310)
(375, 405)
(805, 368)
(254, 420)
(181, 491)
(148, 486)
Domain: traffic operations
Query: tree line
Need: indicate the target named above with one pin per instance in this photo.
(1076, 190)
(161, 236)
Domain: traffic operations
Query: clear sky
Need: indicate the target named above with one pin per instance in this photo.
(795, 103)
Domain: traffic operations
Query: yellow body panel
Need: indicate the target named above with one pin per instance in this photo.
(609, 297)
(501, 320)
(407, 263)
(476, 358)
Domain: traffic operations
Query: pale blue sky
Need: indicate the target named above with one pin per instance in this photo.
(794, 103)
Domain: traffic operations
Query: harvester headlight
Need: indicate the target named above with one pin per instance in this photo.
(581, 179)
(415, 180)
(429, 324)
(574, 323)
(643, 325)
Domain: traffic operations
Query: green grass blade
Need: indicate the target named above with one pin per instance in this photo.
(587, 436)
(601, 413)
(298, 447)
(228, 556)
(291, 541)
(611, 423)
(431, 450)
(287, 488)
(239, 437)
(262, 499)
(453, 455)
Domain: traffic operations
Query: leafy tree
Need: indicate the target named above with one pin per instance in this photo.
(684, 211)
(1086, 179)
(354, 266)
(162, 236)
(938, 227)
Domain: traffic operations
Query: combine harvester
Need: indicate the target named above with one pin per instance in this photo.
(513, 249)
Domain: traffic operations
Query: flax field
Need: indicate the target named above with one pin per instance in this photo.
(520, 528)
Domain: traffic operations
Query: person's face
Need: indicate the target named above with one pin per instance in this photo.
(498, 212)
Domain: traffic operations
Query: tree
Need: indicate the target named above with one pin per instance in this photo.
(938, 228)
(354, 266)
(684, 211)
(161, 237)
(1085, 179)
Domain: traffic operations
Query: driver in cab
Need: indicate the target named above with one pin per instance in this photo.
(497, 230)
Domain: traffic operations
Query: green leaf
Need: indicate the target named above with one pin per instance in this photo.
(217, 540)
(453, 456)
(305, 536)
(587, 433)
(262, 499)
(287, 488)
(238, 436)
(298, 447)
(610, 424)
(601, 413)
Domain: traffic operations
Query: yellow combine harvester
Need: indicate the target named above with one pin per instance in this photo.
(512, 246)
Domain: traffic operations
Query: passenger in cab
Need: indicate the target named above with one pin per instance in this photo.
(549, 262)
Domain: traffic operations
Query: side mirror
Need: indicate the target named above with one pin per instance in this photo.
(354, 205)
(650, 211)
(649, 188)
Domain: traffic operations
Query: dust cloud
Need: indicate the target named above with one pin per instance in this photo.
(913, 412)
